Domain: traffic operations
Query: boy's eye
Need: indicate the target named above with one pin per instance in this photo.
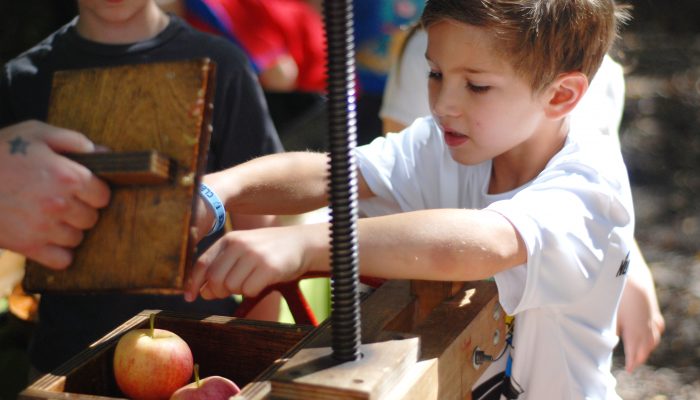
(434, 75)
(478, 89)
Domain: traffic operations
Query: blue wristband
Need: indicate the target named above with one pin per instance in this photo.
(216, 206)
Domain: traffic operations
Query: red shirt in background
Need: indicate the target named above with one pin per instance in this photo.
(266, 29)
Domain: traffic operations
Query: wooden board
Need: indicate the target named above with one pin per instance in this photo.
(142, 239)
(131, 168)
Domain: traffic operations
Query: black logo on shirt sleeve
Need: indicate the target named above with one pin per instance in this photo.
(624, 266)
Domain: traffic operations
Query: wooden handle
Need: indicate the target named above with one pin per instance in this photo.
(129, 168)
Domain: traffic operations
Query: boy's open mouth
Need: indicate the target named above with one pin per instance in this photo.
(454, 138)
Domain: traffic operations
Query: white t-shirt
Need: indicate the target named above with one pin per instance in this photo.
(406, 92)
(576, 219)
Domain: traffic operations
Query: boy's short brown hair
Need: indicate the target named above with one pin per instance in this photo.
(543, 38)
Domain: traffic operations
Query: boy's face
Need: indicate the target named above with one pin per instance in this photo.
(483, 108)
(113, 11)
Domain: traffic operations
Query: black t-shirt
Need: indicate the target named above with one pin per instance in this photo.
(242, 129)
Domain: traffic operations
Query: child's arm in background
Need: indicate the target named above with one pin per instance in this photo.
(640, 322)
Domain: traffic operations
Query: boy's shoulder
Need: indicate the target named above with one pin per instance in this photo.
(591, 154)
(587, 143)
(40, 50)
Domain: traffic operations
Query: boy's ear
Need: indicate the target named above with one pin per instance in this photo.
(564, 94)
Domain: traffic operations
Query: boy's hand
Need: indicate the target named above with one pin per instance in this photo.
(639, 322)
(246, 262)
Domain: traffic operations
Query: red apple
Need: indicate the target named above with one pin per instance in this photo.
(151, 364)
(210, 388)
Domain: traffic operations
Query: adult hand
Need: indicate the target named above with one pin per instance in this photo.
(46, 199)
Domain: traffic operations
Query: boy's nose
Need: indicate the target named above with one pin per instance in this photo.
(446, 103)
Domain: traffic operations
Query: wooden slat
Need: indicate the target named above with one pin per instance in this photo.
(130, 168)
(314, 374)
(430, 294)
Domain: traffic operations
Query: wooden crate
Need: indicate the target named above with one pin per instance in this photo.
(239, 349)
(418, 343)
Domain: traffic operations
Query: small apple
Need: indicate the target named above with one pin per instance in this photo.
(210, 388)
(150, 364)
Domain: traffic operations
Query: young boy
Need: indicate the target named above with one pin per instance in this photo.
(639, 319)
(495, 184)
(110, 33)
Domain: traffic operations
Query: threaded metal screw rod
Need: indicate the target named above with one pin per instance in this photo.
(342, 132)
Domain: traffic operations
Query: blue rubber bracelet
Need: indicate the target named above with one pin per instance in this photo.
(216, 206)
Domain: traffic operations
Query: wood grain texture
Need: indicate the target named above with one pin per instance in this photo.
(142, 239)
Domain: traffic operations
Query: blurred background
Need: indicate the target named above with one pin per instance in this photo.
(660, 134)
(660, 138)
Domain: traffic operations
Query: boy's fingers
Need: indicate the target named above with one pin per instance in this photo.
(237, 275)
(255, 283)
(198, 275)
(216, 275)
(200, 270)
(638, 349)
(225, 261)
(206, 293)
(633, 359)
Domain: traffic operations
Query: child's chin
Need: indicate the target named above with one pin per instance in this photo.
(464, 158)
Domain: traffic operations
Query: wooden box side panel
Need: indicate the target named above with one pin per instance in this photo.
(238, 349)
(141, 240)
(455, 328)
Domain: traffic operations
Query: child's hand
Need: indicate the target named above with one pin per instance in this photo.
(639, 323)
(246, 262)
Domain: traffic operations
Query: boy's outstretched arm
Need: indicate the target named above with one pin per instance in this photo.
(284, 183)
(442, 244)
(277, 184)
(439, 244)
